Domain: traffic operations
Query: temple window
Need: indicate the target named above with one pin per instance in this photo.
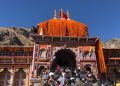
(19, 53)
(36, 54)
(43, 53)
(118, 61)
(19, 78)
(4, 77)
(5, 53)
(86, 54)
(112, 61)
(107, 61)
(30, 53)
(80, 53)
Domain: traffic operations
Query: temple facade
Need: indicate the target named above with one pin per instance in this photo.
(60, 41)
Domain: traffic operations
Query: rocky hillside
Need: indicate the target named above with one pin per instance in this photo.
(112, 43)
(10, 36)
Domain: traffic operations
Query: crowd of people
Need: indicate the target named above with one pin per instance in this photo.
(66, 76)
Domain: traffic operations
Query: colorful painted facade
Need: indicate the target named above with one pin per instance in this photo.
(15, 66)
(58, 41)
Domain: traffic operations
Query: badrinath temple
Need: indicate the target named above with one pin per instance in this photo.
(58, 41)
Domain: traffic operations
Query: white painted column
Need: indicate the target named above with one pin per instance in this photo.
(34, 78)
(12, 74)
(11, 78)
(5, 79)
(33, 57)
(78, 57)
(27, 77)
(1, 70)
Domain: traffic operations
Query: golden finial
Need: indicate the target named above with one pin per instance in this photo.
(55, 14)
(68, 15)
(61, 13)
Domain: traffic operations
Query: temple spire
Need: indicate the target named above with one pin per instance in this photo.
(55, 14)
(68, 15)
(61, 13)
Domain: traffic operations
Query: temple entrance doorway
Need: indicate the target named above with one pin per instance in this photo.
(87, 67)
(40, 71)
(64, 58)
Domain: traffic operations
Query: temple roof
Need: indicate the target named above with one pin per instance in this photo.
(62, 26)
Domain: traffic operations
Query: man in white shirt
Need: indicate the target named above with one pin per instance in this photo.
(61, 80)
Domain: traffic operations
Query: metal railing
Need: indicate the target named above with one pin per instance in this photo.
(18, 53)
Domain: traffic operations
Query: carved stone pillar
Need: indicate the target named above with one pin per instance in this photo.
(27, 77)
(1, 70)
(2, 79)
(34, 77)
(12, 74)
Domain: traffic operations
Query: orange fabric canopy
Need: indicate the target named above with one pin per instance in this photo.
(62, 27)
(100, 57)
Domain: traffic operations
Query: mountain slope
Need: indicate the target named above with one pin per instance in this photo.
(112, 43)
(14, 36)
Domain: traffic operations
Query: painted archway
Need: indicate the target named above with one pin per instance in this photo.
(64, 58)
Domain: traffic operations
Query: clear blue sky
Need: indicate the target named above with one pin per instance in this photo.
(101, 16)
